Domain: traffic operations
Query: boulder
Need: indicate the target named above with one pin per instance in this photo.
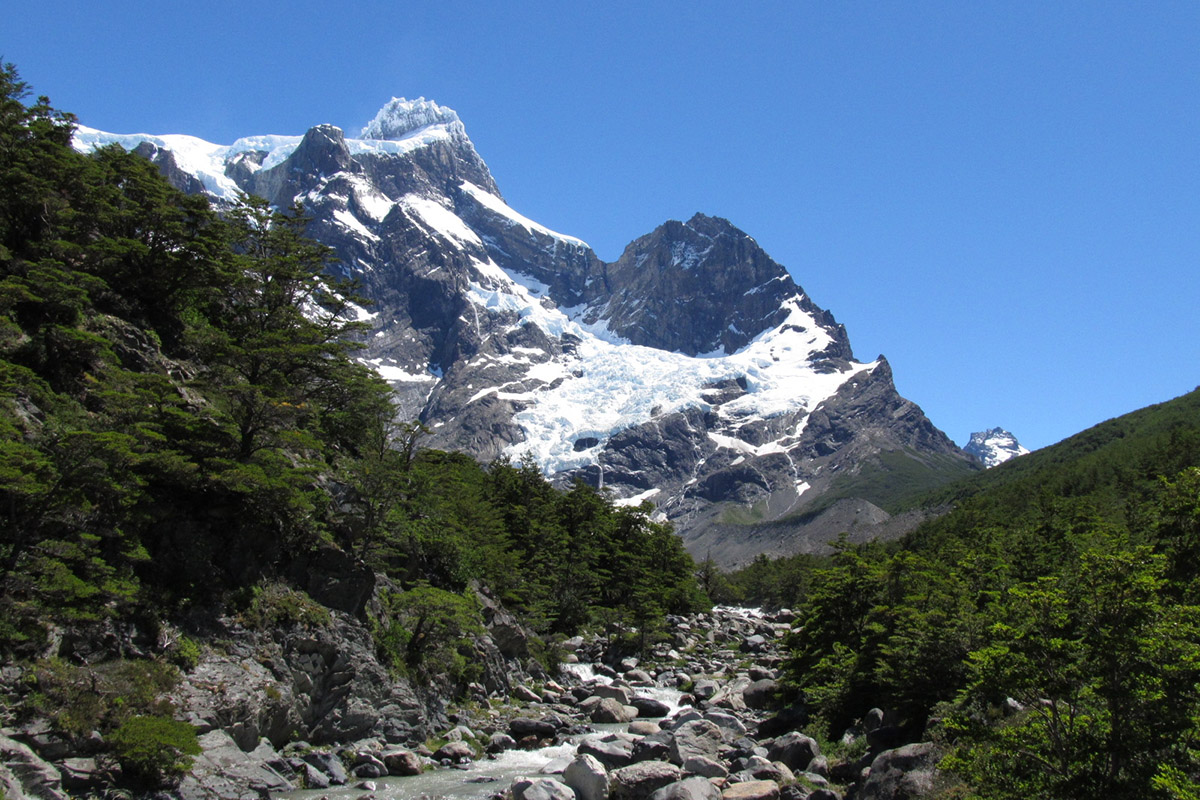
(705, 767)
(639, 676)
(609, 710)
(639, 781)
(795, 750)
(619, 693)
(649, 707)
(613, 754)
(526, 694)
(730, 725)
(328, 764)
(655, 747)
(541, 789)
(311, 777)
(455, 752)
(402, 762)
(900, 773)
(520, 727)
(760, 694)
(499, 742)
(368, 766)
(588, 777)
(694, 788)
(643, 727)
(751, 790)
(696, 738)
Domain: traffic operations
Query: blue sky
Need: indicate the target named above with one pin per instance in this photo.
(1003, 198)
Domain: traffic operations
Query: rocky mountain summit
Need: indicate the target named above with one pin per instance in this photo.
(994, 446)
(691, 372)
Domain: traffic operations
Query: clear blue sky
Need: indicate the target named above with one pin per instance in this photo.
(1002, 197)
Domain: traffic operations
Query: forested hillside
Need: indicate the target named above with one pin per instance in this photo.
(1046, 630)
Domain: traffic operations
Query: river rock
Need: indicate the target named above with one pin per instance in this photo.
(499, 742)
(587, 776)
(649, 707)
(454, 751)
(731, 727)
(541, 789)
(794, 749)
(694, 788)
(639, 676)
(402, 762)
(619, 693)
(760, 694)
(696, 738)
(751, 790)
(613, 754)
(520, 727)
(639, 781)
(327, 764)
(644, 727)
(526, 694)
(368, 766)
(609, 710)
(681, 717)
(705, 767)
(901, 773)
(703, 689)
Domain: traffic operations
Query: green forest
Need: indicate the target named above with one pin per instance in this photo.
(1046, 629)
(183, 429)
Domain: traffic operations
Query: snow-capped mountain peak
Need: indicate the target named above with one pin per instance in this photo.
(994, 446)
(692, 371)
(401, 117)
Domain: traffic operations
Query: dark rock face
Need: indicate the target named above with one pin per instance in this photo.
(697, 287)
(324, 684)
(483, 321)
(165, 161)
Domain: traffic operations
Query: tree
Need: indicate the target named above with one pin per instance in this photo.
(1105, 671)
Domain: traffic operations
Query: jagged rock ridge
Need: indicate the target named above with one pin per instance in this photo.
(692, 372)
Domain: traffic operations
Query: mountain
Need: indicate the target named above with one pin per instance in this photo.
(691, 372)
(994, 446)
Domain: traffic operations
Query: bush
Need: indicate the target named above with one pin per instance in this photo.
(276, 604)
(154, 751)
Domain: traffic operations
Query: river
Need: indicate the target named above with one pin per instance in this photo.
(488, 776)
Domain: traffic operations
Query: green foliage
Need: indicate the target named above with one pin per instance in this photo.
(274, 604)
(1107, 670)
(154, 750)
(185, 653)
(1065, 583)
(426, 631)
(82, 699)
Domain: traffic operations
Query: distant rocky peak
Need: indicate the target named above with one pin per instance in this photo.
(994, 446)
(400, 117)
(712, 227)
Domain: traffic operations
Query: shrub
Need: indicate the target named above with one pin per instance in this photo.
(154, 751)
(275, 604)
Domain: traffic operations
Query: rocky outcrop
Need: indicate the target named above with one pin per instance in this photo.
(322, 684)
